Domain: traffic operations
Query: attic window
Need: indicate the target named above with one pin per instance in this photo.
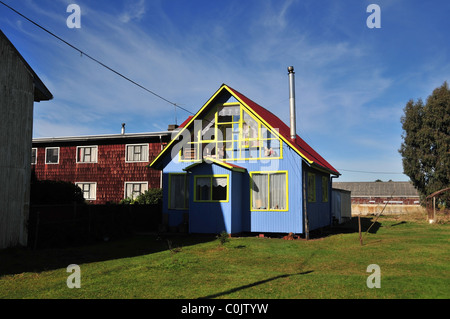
(230, 132)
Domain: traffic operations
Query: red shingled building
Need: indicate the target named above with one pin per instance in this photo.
(108, 168)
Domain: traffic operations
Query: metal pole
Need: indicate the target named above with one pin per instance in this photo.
(359, 226)
(434, 208)
(292, 102)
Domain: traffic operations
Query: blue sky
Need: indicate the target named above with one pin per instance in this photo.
(352, 82)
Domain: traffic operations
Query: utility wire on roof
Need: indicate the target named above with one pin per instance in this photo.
(93, 59)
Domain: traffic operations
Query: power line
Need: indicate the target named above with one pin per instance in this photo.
(367, 172)
(93, 59)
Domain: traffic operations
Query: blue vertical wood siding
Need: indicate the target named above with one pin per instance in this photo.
(236, 216)
(319, 212)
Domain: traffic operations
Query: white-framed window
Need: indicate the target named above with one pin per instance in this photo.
(136, 153)
(89, 190)
(52, 155)
(87, 154)
(33, 156)
(134, 189)
(178, 191)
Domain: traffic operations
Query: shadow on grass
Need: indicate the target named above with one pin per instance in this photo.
(348, 227)
(220, 294)
(19, 260)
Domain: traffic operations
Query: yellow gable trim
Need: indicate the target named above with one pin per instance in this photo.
(224, 86)
(268, 125)
(187, 125)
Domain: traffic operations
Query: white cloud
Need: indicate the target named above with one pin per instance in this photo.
(133, 11)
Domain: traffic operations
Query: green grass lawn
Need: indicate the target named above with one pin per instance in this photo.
(413, 257)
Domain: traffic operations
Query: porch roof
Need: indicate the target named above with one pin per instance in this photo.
(229, 166)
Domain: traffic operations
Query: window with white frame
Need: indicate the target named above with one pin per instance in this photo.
(136, 153)
(52, 155)
(269, 191)
(89, 190)
(87, 154)
(33, 155)
(134, 189)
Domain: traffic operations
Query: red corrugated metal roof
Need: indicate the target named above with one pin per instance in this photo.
(185, 122)
(299, 145)
(285, 132)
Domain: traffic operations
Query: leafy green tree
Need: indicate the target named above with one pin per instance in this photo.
(426, 142)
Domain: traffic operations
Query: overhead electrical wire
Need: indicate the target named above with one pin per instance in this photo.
(94, 59)
(367, 172)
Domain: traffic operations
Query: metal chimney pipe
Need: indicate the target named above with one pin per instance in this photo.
(292, 102)
(123, 129)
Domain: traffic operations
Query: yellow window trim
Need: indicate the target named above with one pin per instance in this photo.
(312, 188)
(211, 201)
(268, 173)
(170, 184)
(241, 141)
(325, 190)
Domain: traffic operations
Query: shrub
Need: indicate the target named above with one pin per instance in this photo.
(223, 237)
(151, 196)
(55, 192)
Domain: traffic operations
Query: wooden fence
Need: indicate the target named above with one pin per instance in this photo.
(58, 226)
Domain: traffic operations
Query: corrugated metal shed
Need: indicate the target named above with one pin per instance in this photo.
(378, 189)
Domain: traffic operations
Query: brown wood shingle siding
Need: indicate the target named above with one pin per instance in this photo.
(110, 172)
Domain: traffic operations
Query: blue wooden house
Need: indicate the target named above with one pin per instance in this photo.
(235, 167)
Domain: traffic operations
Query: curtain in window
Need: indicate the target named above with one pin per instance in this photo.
(130, 153)
(87, 154)
(137, 153)
(278, 191)
(133, 190)
(94, 154)
(178, 192)
(203, 185)
(260, 191)
(219, 191)
(129, 191)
